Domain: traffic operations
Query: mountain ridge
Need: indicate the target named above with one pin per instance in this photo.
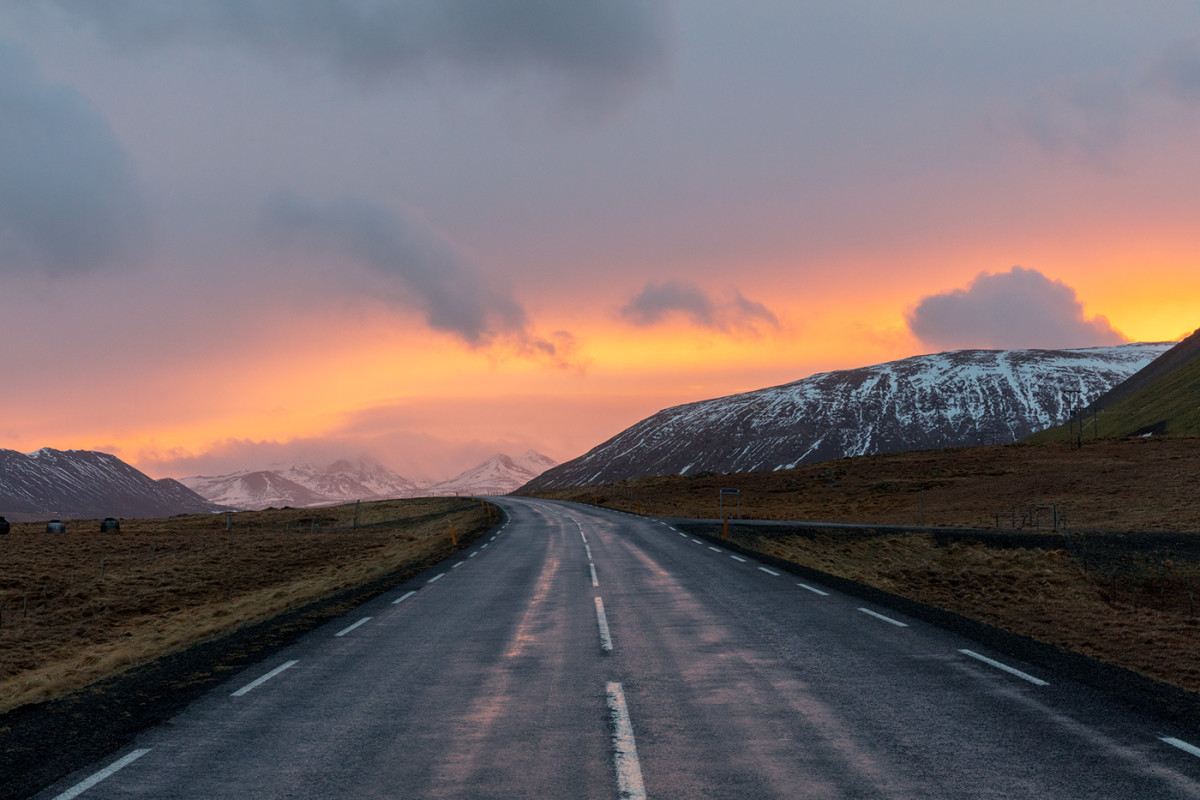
(83, 484)
(957, 398)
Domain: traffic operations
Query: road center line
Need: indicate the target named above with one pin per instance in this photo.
(602, 621)
(582, 536)
(738, 558)
(1182, 745)
(1005, 667)
(459, 564)
(107, 772)
(625, 758)
(473, 554)
(811, 589)
(595, 580)
(715, 549)
(768, 571)
(895, 622)
(681, 533)
(589, 552)
(344, 631)
(485, 544)
(436, 577)
(252, 685)
(697, 541)
(404, 597)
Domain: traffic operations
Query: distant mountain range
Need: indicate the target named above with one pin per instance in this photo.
(500, 474)
(365, 479)
(85, 484)
(955, 399)
(303, 485)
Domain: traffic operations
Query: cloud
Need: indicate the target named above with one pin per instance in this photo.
(657, 301)
(605, 51)
(1177, 71)
(1014, 310)
(68, 198)
(421, 268)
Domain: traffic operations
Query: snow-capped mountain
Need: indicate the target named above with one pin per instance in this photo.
(500, 474)
(303, 485)
(955, 399)
(85, 484)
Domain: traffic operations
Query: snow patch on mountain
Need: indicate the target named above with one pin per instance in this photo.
(500, 474)
(84, 484)
(955, 399)
(303, 485)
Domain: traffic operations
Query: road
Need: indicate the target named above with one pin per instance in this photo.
(583, 653)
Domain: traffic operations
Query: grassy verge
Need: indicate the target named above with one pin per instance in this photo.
(79, 607)
(1041, 594)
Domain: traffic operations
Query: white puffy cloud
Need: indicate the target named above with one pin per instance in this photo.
(1014, 310)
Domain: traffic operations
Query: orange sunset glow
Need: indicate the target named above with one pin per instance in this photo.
(220, 251)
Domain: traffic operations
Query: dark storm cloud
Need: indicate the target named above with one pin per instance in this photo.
(1015, 310)
(657, 301)
(68, 199)
(454, 297)
(604, 50)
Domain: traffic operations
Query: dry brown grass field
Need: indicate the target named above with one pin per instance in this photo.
(1136, 609)
(1122, 485)
(80, 606)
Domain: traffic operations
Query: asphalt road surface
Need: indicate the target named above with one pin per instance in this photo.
(582, 653)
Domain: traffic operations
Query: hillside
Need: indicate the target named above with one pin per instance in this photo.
(957, 399)
(85, 483)
(1116, 485)
(1161, 399)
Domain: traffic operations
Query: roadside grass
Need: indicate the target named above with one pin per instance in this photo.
(1134, 610)
(1044, 595)
(84, 605)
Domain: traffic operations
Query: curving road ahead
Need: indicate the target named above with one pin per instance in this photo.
(583, 653)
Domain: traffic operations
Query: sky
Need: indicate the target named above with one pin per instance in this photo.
(267, 232)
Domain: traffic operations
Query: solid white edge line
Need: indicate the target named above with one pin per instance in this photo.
(252, 685)
(738, 558)
(602, 621)
(625, 758)
(595, 580)
(436, 577)
(404, 597)
(1010, 670)
(895, 622)
(768, 571)
(1182, 745)
(811, 589)
(344, 631)
(107, 772)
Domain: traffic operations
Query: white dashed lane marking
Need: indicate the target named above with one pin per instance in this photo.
(107, 772)
(249, 687)
(1005, 667)
(895, 622)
